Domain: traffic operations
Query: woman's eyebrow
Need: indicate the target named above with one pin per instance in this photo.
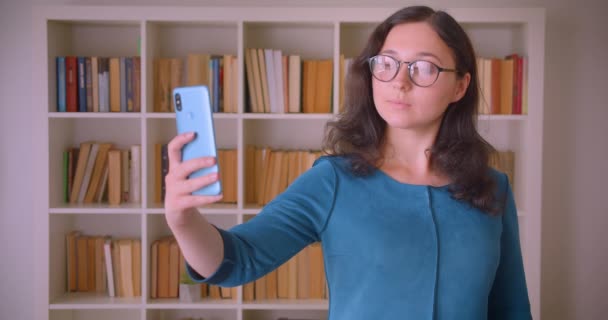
(421, 54)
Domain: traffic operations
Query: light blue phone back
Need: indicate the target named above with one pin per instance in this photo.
(196, 116)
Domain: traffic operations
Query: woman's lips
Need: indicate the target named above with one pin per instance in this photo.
(399, 104)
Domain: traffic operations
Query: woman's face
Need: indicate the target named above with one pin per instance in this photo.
(401, 103)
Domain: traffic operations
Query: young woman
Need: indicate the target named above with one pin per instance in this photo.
(413, 222)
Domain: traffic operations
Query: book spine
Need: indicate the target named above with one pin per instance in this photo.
(82, 87)
(61, 107)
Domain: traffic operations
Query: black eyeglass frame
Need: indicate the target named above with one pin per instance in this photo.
(409, 70)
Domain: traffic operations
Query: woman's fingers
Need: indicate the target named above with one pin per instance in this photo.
(190, 185)
(174, 148)
(183, 170)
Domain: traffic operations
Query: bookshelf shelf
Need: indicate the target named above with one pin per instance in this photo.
(175, 32)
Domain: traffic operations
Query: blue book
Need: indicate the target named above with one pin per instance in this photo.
(216, 85)
(129, 82)
(60, 84)
(82, 86)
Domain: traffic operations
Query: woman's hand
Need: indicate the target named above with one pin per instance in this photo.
(180, 204)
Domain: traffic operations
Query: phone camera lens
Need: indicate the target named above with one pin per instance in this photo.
(178, 102)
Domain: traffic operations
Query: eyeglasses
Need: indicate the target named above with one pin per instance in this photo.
(422, 73)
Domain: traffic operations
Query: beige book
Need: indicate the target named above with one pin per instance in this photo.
(506, 86)
(114, 177)
(264, 80)
(324, 85)
(97, 175)
(72, 260)
(91, 264)
(114, 84)
(82, 263)
(83, 156)
(136, 265)
(126, 267)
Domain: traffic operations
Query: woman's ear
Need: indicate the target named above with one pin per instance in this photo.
(462, 85)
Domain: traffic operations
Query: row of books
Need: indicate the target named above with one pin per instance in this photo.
(226, 160)
(277, 83)
(268, 172)
(96, 172)
(301, 277)
(168, 270)
(218, 72)
(103, 265)
(98, 84)
(503, 85)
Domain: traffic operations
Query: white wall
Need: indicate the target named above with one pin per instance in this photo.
(575, 215)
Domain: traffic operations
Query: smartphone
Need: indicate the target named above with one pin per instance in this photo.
(193, 114)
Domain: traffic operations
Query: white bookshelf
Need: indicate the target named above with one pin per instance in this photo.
(175, 31)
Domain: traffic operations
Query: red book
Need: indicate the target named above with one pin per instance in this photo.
(71, 84)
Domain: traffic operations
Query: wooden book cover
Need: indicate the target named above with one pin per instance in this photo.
(163, 268)
(115, 84)
(72, 260)
(215, 292)
(260, 289)
(226, 79)
(135, 174)
(114, 177)
(324, 81)
(295, 83)
(82, 263)
(197, 66)
(506, 86)
(257, 81)
(265, 176)
(88, 172)
(283, 281)
(91, 264)
(496, 86)
(136, 265)
(95, 83)
(250, 174)
(100, 163)
(154, 269)
(271, 285)
(259, 174)
(100, 271)
(231, 176)
(83, 156)
(126, 267)
(249, 291)
(487, 85)
(124, 175)
(176, 70)
(249, 80)
(292, 282)
(264, 80)
(173, 269)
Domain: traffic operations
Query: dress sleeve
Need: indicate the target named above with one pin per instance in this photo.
(286, 225)
(508, 298)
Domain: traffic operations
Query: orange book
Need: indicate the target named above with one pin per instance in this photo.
(495, 106)
(114, 84)
(82, 261)
(324, 81)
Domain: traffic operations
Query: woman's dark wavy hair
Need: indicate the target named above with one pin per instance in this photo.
(458, 151)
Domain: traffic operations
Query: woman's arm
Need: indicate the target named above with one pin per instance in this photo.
(198, 240)
(509, 295)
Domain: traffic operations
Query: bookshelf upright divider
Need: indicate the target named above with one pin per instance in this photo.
(174, 32)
